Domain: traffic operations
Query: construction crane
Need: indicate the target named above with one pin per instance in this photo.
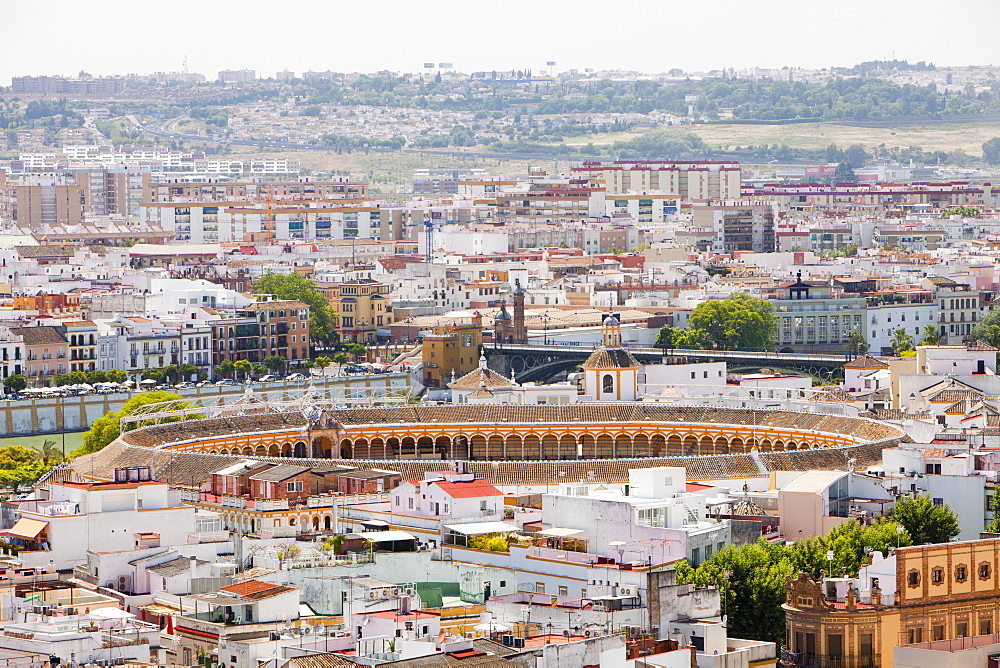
(428, 224)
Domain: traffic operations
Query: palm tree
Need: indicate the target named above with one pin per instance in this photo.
(50, 452)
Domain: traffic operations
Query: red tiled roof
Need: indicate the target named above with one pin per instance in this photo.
(255, 589)
(466, 490)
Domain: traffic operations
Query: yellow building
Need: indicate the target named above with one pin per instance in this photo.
(922, 593)
(452, 349)
(363, 307)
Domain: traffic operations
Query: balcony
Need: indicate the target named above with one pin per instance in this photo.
(806, 660)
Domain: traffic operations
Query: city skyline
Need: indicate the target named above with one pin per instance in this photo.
(656, 37)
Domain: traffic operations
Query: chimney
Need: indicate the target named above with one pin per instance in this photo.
(194, 567)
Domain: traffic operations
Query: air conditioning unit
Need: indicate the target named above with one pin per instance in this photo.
(409, 591)
(518, 643)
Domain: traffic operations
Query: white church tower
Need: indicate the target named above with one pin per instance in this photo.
(611, 373)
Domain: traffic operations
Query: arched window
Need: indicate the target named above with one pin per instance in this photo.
(608, 384)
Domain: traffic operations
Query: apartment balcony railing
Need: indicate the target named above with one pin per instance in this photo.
(806, 660)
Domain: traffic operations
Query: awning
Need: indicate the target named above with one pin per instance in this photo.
(383, 536)
(159, 609)
(27, 528)
(478, 528)
(111, 613)
(560, 532)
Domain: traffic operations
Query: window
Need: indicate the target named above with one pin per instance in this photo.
(937, 576)
(961, 573)
(835, 645)
(867, 645)
(539, 587)
(294, 486)
(984, 571)
(608, 384)
(564, 591)
(503, 583)
(962, 630)
(938, 632)
(985, 627)
(914, 636)
(913, 578)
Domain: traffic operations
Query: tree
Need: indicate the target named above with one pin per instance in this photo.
(170, 373)
(925, 521)
(740, 322)
(323, 361)
(340, 358)
(259, 369)
(185, 371)
(901, 342)
(274, 363)
(844, 173)
(77, 378)
(225, 368)
(855, 155)
(15, 383)
(293, 286)
(61, 379)
(97, 376)
(962, 210)
(243, 367)
(993, 526)
(50, 451)
(673, 338)
(988, 329)
(20, 466)
(856, 343)
(153, 374)
(107, 428)
(357, 350)
(116, 376)
(932, 336)
(991, 150)
(12, 456)
(751, 579)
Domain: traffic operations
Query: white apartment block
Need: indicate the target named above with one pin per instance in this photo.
(108, 516)
(885, 319)
(643, 207)
(221, 223)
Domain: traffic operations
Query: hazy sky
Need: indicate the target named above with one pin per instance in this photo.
(118, 37)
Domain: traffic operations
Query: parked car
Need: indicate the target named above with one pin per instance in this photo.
(269, 378)
(295, 376)
(226, 381)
